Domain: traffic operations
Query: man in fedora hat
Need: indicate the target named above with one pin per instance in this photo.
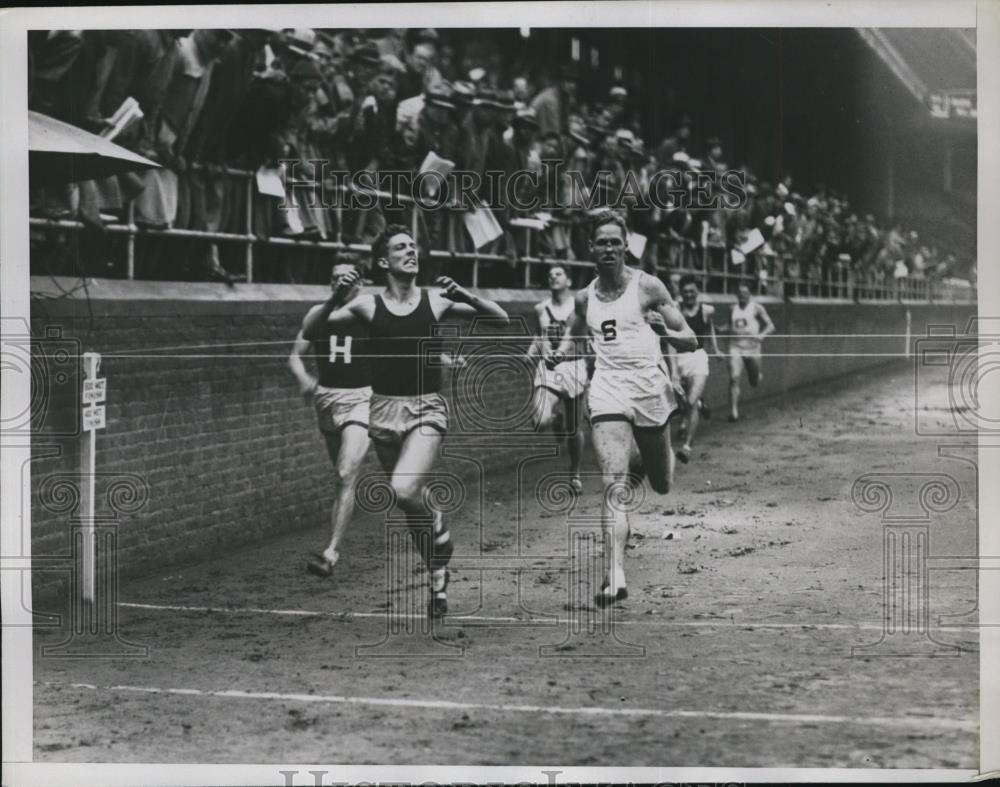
(678, 143)
(365, 62)
(554, 104)
(524, 138)
(617, 100)
(421, 70)
(438, 131)
(523, 91)
(393, 42)
(713, 155)
(506, 107)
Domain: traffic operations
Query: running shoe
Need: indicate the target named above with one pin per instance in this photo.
(437, 608)
(320, 565)
(603, 599)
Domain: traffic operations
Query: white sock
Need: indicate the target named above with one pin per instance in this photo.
(437, 579)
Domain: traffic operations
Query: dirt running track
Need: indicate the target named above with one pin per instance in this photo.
(733, 649)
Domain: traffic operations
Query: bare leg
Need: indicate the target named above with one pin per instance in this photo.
(417, 456)
(754, 372)
(546, 416)
(657, 457)
(694, 387)
(613, 442)
(574, 434)
(347, 449)
(735, 372)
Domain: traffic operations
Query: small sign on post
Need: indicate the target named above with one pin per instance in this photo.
(94, 390)
(93, 417)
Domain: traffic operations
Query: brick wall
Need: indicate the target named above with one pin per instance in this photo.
(202, 408)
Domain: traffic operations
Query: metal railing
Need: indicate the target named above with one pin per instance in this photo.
(710, 263)
(131, 230)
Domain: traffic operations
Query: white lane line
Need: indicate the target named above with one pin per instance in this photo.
(903, 722)
(305, 613)
(719, 623)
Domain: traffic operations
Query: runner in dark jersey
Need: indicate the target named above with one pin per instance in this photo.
(340, 394)
(409, 417)
(692, 367)
(566, 382)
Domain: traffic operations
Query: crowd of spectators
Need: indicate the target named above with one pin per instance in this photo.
(380, 100)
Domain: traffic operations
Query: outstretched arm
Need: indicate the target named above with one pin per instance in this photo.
(676, 330)
(333, 310)
(456, 300)
(360, 309)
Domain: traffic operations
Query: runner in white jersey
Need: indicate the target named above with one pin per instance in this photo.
(630, 395)
(566, 382)
(749, 323)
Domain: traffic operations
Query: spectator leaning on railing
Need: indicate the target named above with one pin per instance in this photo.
(217, 198)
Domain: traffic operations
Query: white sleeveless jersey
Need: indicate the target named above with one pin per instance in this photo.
(746, 328)
(623, 340)
(560, 312)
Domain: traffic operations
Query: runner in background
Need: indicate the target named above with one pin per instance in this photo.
(749, 323)
(562, 386)
(693, 367)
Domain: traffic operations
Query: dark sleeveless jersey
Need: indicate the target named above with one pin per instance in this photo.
(404, 360)
(556, 330)
(342, 358)
(698, 324)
